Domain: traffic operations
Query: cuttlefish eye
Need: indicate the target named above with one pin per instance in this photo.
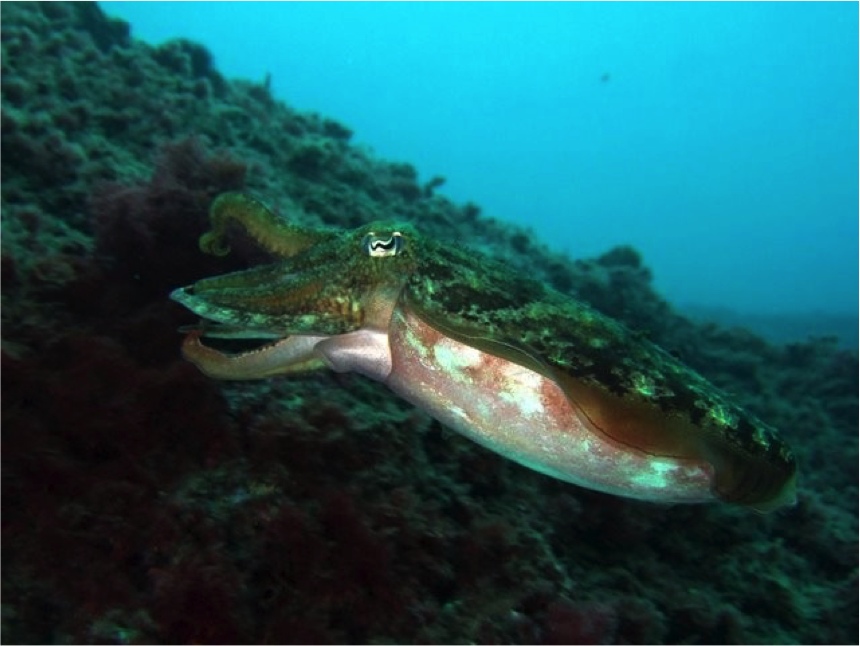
(381, 246)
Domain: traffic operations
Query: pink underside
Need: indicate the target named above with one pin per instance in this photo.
(527, 418)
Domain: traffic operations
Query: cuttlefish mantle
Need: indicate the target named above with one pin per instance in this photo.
(509, 362)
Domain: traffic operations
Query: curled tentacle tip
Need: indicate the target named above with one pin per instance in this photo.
(213, 244)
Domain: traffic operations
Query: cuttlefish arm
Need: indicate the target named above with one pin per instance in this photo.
(275, 234)
(291, 354)
(526, 371)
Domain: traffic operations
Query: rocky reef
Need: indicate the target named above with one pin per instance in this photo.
(145, 503)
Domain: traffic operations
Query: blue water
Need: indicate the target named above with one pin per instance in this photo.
(719, 139)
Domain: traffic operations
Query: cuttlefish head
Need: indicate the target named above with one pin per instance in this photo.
(265, 320)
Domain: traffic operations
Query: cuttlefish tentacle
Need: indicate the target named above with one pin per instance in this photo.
(512, 364)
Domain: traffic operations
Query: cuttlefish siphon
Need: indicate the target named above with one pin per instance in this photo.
(504, 359)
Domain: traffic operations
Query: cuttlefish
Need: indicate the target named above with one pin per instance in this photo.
(504, 359)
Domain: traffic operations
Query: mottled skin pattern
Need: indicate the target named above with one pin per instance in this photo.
(634, 392)
(469, 294)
